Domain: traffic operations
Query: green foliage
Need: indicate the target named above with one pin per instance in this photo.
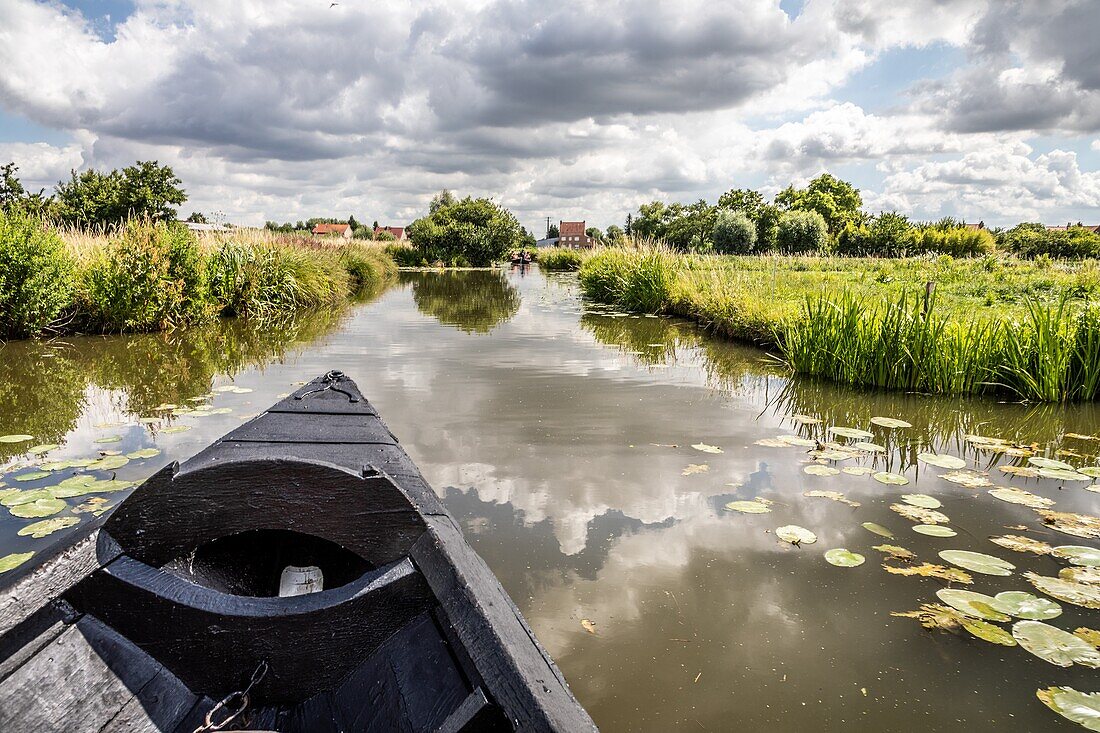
(560, 259)
(474, 302)
(892, 235)
(683, 227)
(36, 275)
(150, 277)
(384, 236)
(837, 201)
(734, 232)
(1034, 240)
(801, 232)
(744, 200)
(478, 231)
(552, 232)
(145, 190)
(406, 256)
(615, 235)
(639, 280)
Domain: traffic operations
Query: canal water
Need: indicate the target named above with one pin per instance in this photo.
(560, 435)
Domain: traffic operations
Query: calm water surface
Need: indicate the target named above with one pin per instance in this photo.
(560, 437)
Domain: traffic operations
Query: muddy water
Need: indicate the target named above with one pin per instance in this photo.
(560, 437)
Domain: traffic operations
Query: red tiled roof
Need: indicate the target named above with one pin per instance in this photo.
(331, 228)
(570, 228)
(1091, 228)
(398, 232)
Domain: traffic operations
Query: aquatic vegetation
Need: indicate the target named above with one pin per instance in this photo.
(20, 438)
(890, 422)
(1078, 555)
(1025, 605)
(831, 495)
(970, 603)
(753, 506)
(1019, 496)
(47, 527)
(941, 460)
(1078, 525)
(978, 562)
(1079, 707)
(891, 479)
(922, 500)
(796, 535)
(1086, 595)
(920, 515)
(934, 530)
(1054, 645)
(1016, 543)
(560, 259)
(930, 570)
(14, 560)
(844, 558)
(878, 529)
(895, 553)
(703, 447)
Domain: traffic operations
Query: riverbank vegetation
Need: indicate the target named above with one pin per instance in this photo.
(931, 324)
(464, 232)
(147, 275)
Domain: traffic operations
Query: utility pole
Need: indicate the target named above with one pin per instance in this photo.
(548, 227)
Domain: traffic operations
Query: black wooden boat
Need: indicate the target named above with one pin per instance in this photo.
(297, 575)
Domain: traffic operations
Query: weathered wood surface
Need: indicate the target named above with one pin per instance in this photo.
(516, 671)
(216, 640)
(83, 680)
(289, 427)
(368, 515)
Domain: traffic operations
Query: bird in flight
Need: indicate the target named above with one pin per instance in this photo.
(334, 5)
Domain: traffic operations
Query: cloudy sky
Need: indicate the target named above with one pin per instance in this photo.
(285, 109)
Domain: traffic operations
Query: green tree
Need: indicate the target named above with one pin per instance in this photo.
(614, 235)
(734, 232)
(767, 228)
(745, 200)
(150, 190)
(595, 234)
(353, 223)
(802, 232)
(13, 197)
(440, 200)
(837, 201)
(36, 274)
(552, 232)
(629, 228)
(144, 190)
(197, 217)
(469, 231)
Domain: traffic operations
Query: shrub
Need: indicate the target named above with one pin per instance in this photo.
(560, 259)
(802, 231)
(150, 277)
(891, 235)
(639, 280)
(478, 230)
(406, 256)
(734, 233)
(36, 276)
(1032, 240)
(366, 266)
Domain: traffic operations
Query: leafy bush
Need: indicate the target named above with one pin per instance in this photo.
(261, 280)
(406, 256)
(1032, 240)
(150, 277)
(36, 276)
(560, 259)
(734, 233)
(891, 235)
(802, 231)
(477, 230)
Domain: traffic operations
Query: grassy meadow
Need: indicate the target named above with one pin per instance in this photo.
(145, 276)
(1028, 328)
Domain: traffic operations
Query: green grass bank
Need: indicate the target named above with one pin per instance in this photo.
(147, 276)
(1026, 328)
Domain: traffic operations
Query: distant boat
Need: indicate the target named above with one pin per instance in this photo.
(297, 575)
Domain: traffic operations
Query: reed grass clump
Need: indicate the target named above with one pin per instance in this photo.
(560, 259)
(640, 279)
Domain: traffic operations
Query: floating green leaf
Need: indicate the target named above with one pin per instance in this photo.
(1061, 474)
(1077, 525)
(109, 463)
(978, 562)
(43, 448)
(928, 570)
(1082, 708)
(20, 438)
(1053, 645)
(795, 440)
(15, 497)
(1019, 496)
(920, 515)
(1016, 543)
(869, 447)
(1023, 471)
(109, 439)
(878, 529)
(890, 422)
(941, 460)
(858, 470)
(1086, 595)
(10, 562)
(1079, 574)
(891, 479)
(175, 429)
(973, 604)
(816, 469)
(38, 508)
(1078, 555)
(32, 476)
(748, 507)
(934, 530)
(1024, 605)
(796, 535)
(38, 530)
(922, 500)
(143, 453)
(852, 433)
(895, 552)
(1050, 463)
(843, 558)
(1091, 471)
(703, 447)
(987, 631)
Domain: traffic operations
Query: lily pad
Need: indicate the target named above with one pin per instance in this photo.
(1053, 645)
(18, 438)
(703, 447)
(1050, 463)
(15, 497)
(1023, 471)
(1017, 543)
(1078, 555)
(843, 558)
(10, 562)
(109, 439)
(1086, 595)
(922, 500)
(890, 422)
(987, 631)
(1090, 471)
(920, 515)
(853, 433)
(693, 468)
(109, 463)
(1019, 496)
(1079, 574)
(795, 440)
(941, 460)
(890, 479)
(1077, 525)
(748, 507)
(806, 420)
(43, 448)
(1082, 708)
(973, 604)
(978, 562)
(878, 529)
(1060, 474)
(143, 453)
(38, 530)
(858, 470)
(969, 479)
(895, 552)
(934, 530)
(32, 476)
(1021, 604)
(869, 447)
(175, 429)
(796, 535)
(38, 508)
(928, 570)
(816, 469)
(833, 495)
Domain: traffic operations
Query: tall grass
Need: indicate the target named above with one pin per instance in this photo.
(560, 259)
(639, 279)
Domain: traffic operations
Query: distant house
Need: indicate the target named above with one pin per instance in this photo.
(1089, 227)
(397, 232)
(975, 227)
(196, 226)
(571, 234)
(548, 242)
(339, 230)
